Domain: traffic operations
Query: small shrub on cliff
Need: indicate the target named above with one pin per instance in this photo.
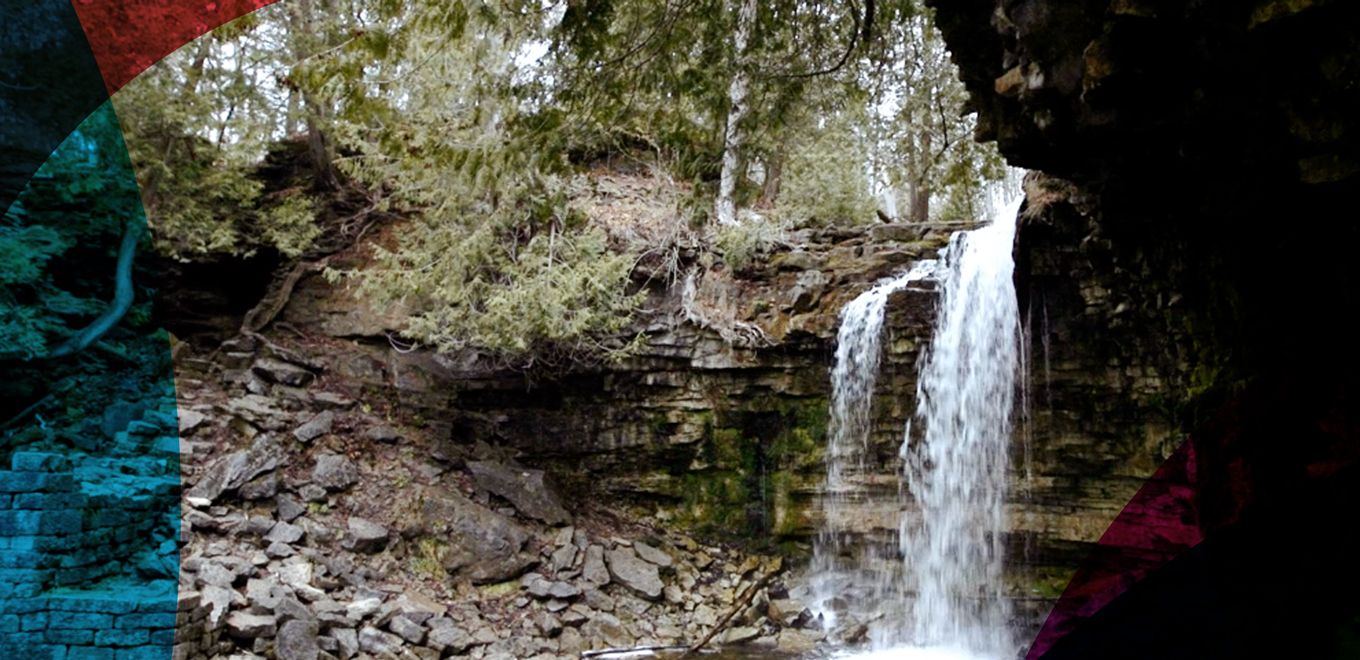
(741, 243)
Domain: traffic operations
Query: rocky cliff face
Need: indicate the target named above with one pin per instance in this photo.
(346, 497)
(718, 422)
(725, 437)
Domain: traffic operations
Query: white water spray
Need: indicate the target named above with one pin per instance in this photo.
(848, 574)
(942, 596)
(956, 463)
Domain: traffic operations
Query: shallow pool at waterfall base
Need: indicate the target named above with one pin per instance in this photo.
(911, 653)
(898, 653)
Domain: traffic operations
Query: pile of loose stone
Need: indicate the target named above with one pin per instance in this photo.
(299, 546)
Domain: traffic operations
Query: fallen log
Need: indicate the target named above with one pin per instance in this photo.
(740, 604)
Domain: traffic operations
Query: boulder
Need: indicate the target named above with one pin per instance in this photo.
(258, 411)
(297, 641)
(283, 532)
(189, 420)
(332, 401)
(243, 625)
(263, 593)
(407, 629)
(480, 543)
(607, 630)
(288, 508)
(217, 599)
(547, 624)
(346, 642)
(537, 585)
(563, 558)
(291, 609)
(378, 643)
(594, 569)
(365, 535)
(788, 612)
(217, 575)
(315, 427)
(262, 487)
(334, 472)
(283, 373)
(523, 488)
(631, 571)
(382, 433)
(797, 642)
(563, 590)
(362, 608)
(418, 607)
(653, 555)
(447, 638)
(232, 471)
(119, 415)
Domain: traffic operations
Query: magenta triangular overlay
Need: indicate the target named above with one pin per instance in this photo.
(1158, 524)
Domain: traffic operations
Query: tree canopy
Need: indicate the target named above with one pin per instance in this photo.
(476, 120)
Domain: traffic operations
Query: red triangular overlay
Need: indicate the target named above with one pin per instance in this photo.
(1156, 526)
(127, 36)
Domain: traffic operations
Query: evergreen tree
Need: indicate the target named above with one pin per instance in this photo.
(471, 118)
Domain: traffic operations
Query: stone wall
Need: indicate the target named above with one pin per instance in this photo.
(196, 635)
(69, 547)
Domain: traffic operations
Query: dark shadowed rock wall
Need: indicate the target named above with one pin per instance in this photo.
(1191, 249)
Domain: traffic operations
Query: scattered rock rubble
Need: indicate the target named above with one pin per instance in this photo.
(315, 529)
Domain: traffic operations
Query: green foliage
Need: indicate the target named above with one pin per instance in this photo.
(825, 182)
(925, 157)
(53, 238)
(742, 243)
(23, 329)
(25, 251)
(290, 225)
(468, 116)
(196, 124)
(555, 297)
(494, 260)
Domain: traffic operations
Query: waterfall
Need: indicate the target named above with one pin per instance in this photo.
(939, 592)
(956, 462)
(838, 581)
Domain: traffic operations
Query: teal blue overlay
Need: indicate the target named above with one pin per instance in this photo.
(89, 447)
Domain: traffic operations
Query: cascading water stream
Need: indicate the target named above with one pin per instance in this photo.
(956, 463)
(868, 577)
(940, 594)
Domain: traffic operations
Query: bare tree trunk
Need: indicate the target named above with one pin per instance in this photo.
(920, 202)
(733, 137)
(319, 146)
(305, 43)
(122, 296)
(920, 189)
(290, 122)
(774, 178)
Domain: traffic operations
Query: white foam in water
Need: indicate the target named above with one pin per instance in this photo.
(941, 599)
(913, 653)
